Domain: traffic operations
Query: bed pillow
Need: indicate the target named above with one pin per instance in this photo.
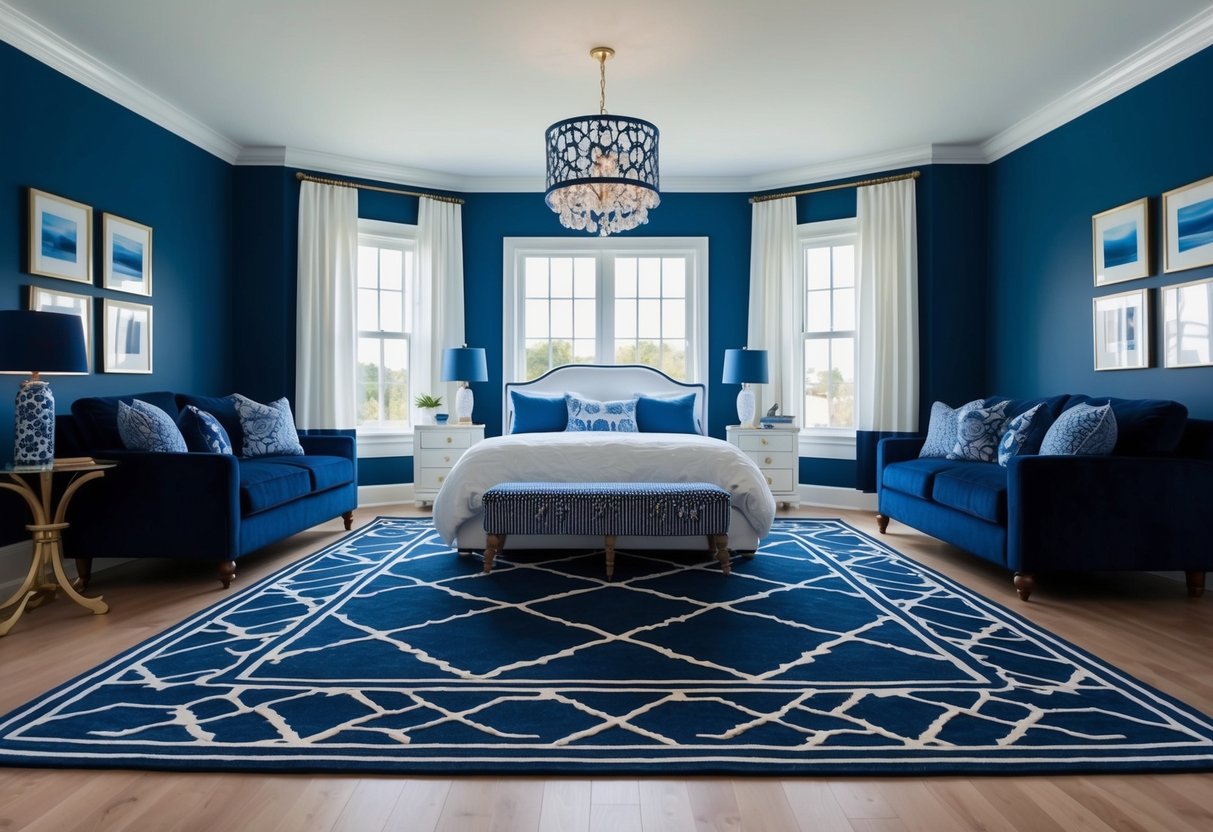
(1024, 434)
(591, 415)
(203, 432)
(941, 432)
(1083, 430)
(666, 415)
(978, 431)
(145, 427)
(269, 429)
(537, 413)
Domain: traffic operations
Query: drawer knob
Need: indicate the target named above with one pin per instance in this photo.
(769, 481)
(768, 460)
(448, 440)
(446, 459)
(440, 479)
(764, 440)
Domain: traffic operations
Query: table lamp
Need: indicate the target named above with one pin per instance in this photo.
(38, 342)
(745, 367)
(464, 364)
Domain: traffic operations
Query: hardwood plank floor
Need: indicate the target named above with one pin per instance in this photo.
(1141, 623)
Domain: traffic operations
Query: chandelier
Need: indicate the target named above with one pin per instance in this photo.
(602, 170)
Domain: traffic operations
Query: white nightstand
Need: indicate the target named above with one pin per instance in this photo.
(436, 448)
(775, 450)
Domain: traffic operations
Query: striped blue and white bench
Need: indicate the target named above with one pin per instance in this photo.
(610, 509)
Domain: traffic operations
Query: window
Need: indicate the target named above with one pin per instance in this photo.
(387, 269)
(610, 302)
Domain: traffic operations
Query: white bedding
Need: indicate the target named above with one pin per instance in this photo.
(600, 457)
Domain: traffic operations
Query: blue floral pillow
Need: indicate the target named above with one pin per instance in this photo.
(1020, 431)
(203, 432)
(978, 430)
(588, 414)
(145, 427)
(1083, 430)
(941, 432)
(269, 429)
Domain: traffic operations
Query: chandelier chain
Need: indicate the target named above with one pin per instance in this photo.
(602, 84)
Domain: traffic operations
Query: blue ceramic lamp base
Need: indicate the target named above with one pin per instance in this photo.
(35, 424)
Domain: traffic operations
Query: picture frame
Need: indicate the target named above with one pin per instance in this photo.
(42, 299)
(127, 336)
(1187, 322)
(126, 264)
(1188, 220)
(1121, 330)
(1120, 242)
(60, 237)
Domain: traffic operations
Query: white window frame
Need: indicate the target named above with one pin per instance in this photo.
(823, 443)
(374, 441)
(604, 250)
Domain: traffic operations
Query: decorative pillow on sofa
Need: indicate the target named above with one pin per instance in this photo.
(659, 414)
(537, 413)
(269, 430)
(588, 414)
(941, 432)
(145, 427)
(1024, 434)
(978, 431)
(1081, 430)
(203, 432)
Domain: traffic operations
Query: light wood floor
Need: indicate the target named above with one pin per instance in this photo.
(1142, 623)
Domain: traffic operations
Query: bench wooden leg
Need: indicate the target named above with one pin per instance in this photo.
(494, 544)
(718, 544)
(609, 543)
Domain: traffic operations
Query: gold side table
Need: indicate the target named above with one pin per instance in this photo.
(45, 576)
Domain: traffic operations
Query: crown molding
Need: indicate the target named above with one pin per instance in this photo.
(1182, 42)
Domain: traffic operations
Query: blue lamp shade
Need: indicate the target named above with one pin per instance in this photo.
(744, 366)
(464, 364)
(38, 342)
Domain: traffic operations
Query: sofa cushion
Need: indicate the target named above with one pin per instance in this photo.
(97, 417)
(1024, 433)
(269, 429)
(1053, 405)
(978, 430)
(1144, 427)
(223, 409)
(1082, 430)
(267, 484)
(324, 472)
(203, 433)
(976, 488)
(144, 427)
(915, 476)
(941, 430)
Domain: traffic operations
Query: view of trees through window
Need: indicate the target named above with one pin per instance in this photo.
(829, 336)
(385, 278)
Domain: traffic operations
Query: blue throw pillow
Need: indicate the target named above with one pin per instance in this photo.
(588, 414)
(662, 415)
(145, 427)
(269, 429)
(941, 432)
(978, 431)
(1082, 430)
(203, 432)
(537, 413)
(1024, 434)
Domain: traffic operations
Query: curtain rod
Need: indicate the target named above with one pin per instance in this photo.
(307, 177)
(878, 181)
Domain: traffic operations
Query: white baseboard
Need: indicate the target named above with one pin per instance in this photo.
(14, 564)
(384, 495)
(829, 496)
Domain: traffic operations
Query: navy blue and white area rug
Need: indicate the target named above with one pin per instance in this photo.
(827, 653)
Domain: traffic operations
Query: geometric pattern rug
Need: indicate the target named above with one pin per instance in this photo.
(826, 653)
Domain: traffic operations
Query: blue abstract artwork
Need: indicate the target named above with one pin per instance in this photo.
(128, 257)
(1195, 225)
(1120, 245)
(58, 237)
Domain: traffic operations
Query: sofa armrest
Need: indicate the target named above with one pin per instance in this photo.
(1108, 512)
(329, 445)
(897, 449)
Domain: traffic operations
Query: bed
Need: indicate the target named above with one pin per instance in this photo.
(603, 456)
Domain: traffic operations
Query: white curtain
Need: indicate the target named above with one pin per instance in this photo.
(772, 304)
(886, 371)
(326, 330)
(438, 313)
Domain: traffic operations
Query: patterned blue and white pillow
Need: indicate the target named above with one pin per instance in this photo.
(941, 432)
(145, 427)
(203, 432)
(978, 429)
(588, 414)
(1083, 430)
(269, 429)
(1018, 431)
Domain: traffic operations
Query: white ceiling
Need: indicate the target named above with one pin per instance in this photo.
(747, 94)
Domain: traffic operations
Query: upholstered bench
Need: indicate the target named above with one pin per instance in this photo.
(610, 509)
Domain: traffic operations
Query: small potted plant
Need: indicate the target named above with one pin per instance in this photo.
(428, 403)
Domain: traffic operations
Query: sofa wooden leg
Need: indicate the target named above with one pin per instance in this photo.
(348, 517)
(1025, 582)
(84, 569)
(227, 571)
(1196, 582)
(882, 522)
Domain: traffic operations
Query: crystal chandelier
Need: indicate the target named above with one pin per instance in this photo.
(602, 170)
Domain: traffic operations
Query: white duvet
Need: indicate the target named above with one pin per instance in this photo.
(601, 457)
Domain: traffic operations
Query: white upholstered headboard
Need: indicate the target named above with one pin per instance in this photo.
(607, 382)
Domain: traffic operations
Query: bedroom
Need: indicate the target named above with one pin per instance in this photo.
(1005, 286)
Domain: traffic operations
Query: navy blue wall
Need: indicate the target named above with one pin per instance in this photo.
(1151, 139)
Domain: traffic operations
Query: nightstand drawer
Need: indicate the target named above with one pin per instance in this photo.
(458, 438)
(773, 459)
(439, 457)
(782, 441)
(780, 480)
(431, 479)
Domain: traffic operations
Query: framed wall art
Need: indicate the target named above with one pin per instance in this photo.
(1121, 326)
(126, 255)
(40, 299)
(127, 335)
(60, 236)
(1120, 242)
(1187, 323)
(1187, 215)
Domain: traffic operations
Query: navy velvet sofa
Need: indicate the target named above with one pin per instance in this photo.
(202, 506)
(1143, 507)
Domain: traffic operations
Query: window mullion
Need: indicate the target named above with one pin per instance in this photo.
(604, 284)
